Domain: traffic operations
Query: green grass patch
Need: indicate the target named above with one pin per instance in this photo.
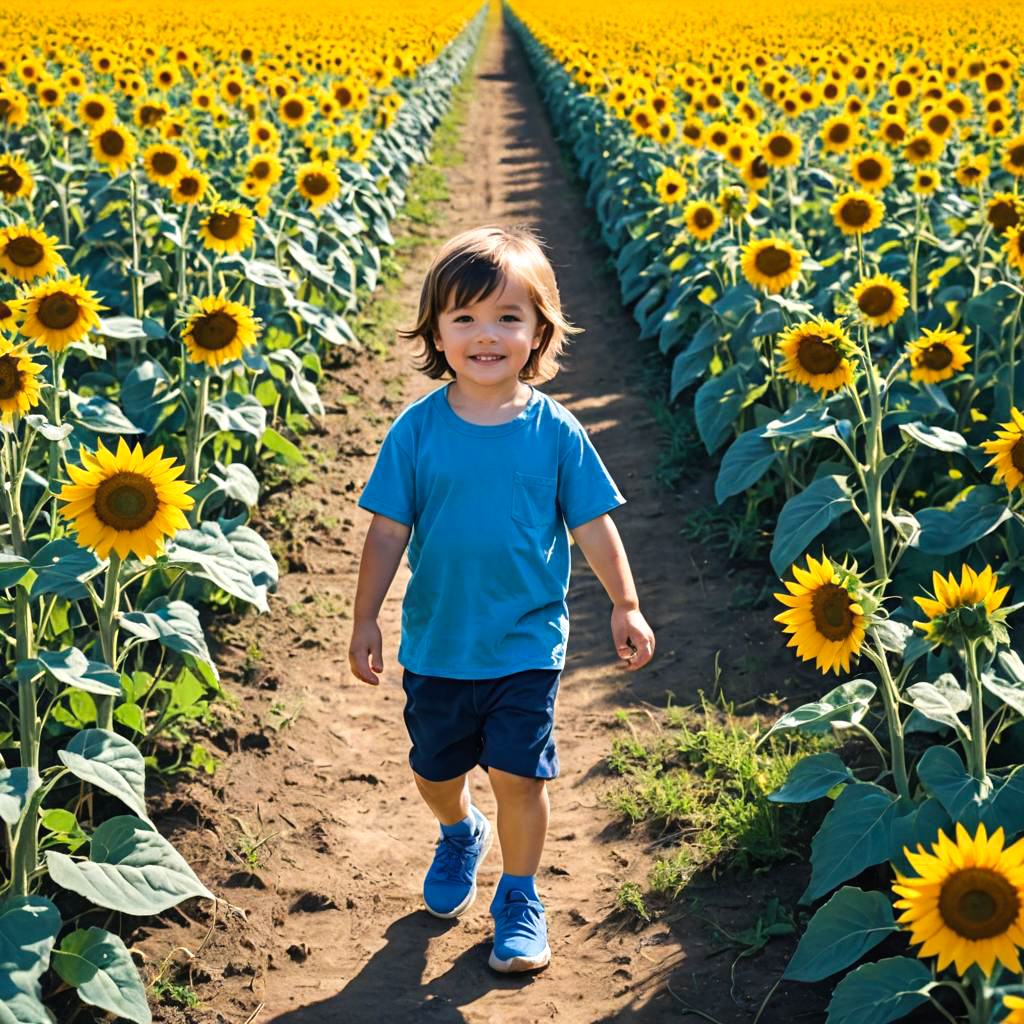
(695, 779)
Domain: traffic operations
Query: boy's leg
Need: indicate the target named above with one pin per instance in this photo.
(448, 800)
(523, 811)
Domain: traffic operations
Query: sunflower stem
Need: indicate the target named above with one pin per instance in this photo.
(195, 435)
(875, 455)
(978, 742)
(107, 616)
(57, 360)
(183, 263)
(913, 259)
(136, 279)
(983, 239)
(1011, 373)
(891, 700)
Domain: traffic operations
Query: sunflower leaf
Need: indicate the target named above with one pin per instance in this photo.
(109, 762)
(812, 777)
(745, 461)
(879, 992)
(72, 668)
(842, 931)
(16, 787)
(855, 835)
(941, 703)
(805, 515)
(945, 532)
(944, 777)
(28, 928)
(934, 437)
(918, 828)
(848, 703)
(62, 567)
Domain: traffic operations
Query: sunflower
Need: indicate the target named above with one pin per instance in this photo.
(671, 185)
(692, 132)
(27, 253)
(19, 380)
(968, 610)
(189, 186)
(871, 170)
(96, 109)
(227, 228)
(966, 904)
(1007, 451)
(8, 316)
(295, 109)
(218, 330)
(838, 134)
(1003, 212)
(15, 178)
(318, 182)
(880, 299)
(893, 131)
(922, 148)
(56, 313)
(114, 146)
(701, 218)
(972, 170)
(925, 182)
(163, 163)
(1015, 1004)
(770, 263)
(814, 354)
(263, 136)
(824, 613)
(857, 212)
(1013, 156)
(756, 173)
(265, 169)
(735, 202)
(937, 355)
(781, 148)
(128, 501)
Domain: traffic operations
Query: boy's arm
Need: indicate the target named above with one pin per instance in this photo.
(601, 545)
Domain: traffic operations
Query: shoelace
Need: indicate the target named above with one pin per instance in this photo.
(452, 857)
(522, 917)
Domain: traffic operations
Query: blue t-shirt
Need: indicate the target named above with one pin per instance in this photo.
(490, 509)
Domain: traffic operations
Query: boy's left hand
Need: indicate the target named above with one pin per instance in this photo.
(633, 638)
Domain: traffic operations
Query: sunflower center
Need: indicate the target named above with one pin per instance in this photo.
(758, 168)
(224, 225)
(839, 133)
(921, 147)
(126, 501)
(343, 95)
(215, 331)
(11, 378)
(978, 903)
(58, 311)
(10, 180)
(817, 355)
(261, 169)
(1017, 156)
(939, 124)
(94, 111)
(24, 251)
(1003, 215)
(1017, 456)
(670, 189)
(936, 357)
(164, 162)
(5, 311)
(703, 217)
(870, 169)
(855, 212)
(772, 261)
(293, 108)
(150, 114)
(316, 184)
(876, 300)
(780, 146)
(112, 142)
(830, 607)
(188, 186)
(234, 88)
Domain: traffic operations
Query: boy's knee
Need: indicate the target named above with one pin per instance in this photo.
(515, 786)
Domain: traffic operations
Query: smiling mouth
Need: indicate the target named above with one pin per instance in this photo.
(487, 359)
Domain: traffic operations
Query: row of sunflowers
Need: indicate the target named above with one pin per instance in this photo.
(820, 224)
(191, 203)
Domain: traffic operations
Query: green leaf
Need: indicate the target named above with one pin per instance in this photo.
(942, 701)
(279, 445)
(919, 828)
(16, 788)
(99, 965)
(846, 703)
(175, 624)
(802, 420)
(934, 437)
(12, 569)
(240, 414)
(109, 762)
(944, 777)
(71, 667)
(63, 567)
(121, 328)
(811, 778)
(28, 928)
(236, 481)
(131, 868)
(945, 532)
(1008, 685)
(840, 933)
(805, 515)
(99, 415)
(717, 403)
(880, 992)
(854, 835)
(745, 461)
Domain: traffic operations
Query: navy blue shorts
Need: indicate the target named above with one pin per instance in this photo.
(505, 723)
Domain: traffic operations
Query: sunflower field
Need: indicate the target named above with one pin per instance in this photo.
(191, 203)
(816, 215)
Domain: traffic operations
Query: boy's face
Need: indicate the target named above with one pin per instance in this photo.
(504, 324)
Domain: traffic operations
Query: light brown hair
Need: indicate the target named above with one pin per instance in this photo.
(469, 267)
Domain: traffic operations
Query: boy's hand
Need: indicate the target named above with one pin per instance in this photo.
(364, 650)
(633, 638)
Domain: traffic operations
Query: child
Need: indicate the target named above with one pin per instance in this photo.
(487, 473)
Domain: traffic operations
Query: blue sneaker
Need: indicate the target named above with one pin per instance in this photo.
(450, 884)
(520, 934)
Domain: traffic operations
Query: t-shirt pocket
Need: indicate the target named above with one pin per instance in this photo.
(533, 499)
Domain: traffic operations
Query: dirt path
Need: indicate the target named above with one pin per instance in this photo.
(334, 930)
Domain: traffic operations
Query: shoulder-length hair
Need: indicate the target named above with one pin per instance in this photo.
(469, 267)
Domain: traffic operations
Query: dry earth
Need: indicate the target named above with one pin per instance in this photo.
(330, 926)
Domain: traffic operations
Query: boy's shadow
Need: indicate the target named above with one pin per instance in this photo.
(390, 985)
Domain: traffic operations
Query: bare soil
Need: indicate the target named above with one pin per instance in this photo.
(329, 925)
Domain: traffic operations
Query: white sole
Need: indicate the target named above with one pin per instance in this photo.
(471, 895)
(520, 963)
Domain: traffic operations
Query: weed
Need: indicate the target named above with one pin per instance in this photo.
(249, 844)
(630, 900)
(179, 995)
(280, 717)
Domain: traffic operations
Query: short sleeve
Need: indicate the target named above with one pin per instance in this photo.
(391, 489)
(585, 488)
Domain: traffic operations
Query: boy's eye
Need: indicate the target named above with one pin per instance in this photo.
(466, 316)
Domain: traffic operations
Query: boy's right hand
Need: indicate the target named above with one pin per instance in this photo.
(364, 651)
